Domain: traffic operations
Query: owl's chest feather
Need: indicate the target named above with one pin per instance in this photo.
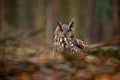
(69, 45)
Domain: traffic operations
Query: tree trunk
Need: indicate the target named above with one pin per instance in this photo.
(115, 39)
(0, 15)
(52, 13)
(96, 26)
(6, 19)
(116, 17)
(24, 13)
(92, 23)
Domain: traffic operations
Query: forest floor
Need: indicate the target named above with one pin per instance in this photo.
(30, 61)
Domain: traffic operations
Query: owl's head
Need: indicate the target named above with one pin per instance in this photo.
(65, 30)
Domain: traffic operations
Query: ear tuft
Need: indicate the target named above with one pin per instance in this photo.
(71, 24)
(59, 24)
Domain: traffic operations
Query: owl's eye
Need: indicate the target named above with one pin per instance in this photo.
(61, 30)
(68, 30)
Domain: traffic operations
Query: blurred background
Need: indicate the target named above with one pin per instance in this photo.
(27, 32)
(95, 20)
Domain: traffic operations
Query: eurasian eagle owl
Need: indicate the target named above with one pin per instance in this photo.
(66, 44)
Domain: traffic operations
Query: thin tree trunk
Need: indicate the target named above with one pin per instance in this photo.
(3, 18)
(24, 11)
(39, 10)
(96, 27)
(116, 17)
(115, 39)
(0, 18)
(92, 23)
(0, 15)
(52, 13)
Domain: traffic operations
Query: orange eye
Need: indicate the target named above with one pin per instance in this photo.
(68, 30)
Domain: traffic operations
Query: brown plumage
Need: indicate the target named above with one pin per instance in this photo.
(66, 44)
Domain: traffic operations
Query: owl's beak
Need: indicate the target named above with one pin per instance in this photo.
(65, 34)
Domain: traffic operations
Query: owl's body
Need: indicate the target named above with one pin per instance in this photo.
(67, 45)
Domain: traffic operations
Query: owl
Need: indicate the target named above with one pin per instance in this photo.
(66, 44)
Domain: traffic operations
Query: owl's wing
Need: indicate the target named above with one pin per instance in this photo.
(81, 45)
